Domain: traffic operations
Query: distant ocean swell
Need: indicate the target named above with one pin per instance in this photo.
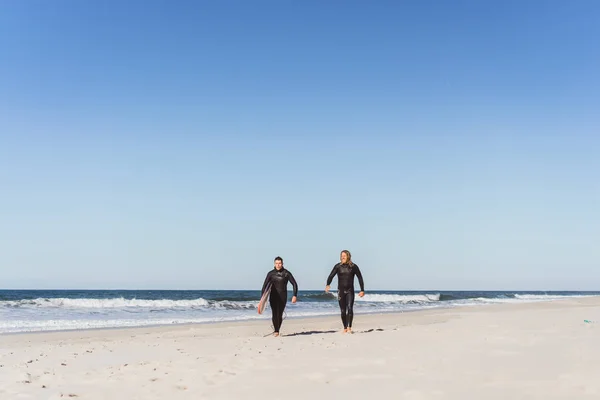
(23, 311)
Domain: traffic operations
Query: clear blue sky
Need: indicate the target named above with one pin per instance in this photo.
(161, 144)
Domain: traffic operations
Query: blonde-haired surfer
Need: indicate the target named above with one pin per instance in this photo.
(346, 270)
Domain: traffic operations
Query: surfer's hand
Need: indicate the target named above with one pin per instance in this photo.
(327, 289)
(361, 294)
(293, 299)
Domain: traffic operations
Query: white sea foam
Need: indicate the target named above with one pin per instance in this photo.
(538, 297)
(127, 303)
(400, 298)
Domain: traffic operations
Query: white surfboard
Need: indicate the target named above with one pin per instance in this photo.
(262, 304)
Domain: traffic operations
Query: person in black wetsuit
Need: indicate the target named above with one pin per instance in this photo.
(279, 278)
(346, 270)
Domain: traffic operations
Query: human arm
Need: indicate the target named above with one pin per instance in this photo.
(360, 280)
(294, 285)
(332, 274)
(267, 279)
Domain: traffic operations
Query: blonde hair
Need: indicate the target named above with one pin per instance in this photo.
(349, 262)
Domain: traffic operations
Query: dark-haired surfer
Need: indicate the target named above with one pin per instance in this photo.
(346, 270)
(279, 278)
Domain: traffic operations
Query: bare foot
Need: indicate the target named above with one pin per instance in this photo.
(345, 330)
(276, 334)
(349, 330)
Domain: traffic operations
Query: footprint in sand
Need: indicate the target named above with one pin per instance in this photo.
(209, 381)
(222, 371)
(315, 376)
(26, 378)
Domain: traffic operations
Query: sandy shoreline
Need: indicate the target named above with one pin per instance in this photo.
(184, 325)
(530, 350)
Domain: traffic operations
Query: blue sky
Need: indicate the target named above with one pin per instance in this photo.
(155, 144)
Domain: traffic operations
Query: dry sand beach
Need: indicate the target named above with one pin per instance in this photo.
(539, 350)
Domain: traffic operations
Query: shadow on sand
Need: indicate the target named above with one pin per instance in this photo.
(331, 331)
(309, 333)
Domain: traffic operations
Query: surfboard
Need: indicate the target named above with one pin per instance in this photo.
(263, 300)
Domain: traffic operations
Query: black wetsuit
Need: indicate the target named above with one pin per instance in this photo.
(278, 297)
(346, 274)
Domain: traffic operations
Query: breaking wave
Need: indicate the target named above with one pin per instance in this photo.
(129, 303)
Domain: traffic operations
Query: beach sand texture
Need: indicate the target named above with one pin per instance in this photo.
(541, 350)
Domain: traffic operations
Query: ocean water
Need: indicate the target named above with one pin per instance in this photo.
(46, 310)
